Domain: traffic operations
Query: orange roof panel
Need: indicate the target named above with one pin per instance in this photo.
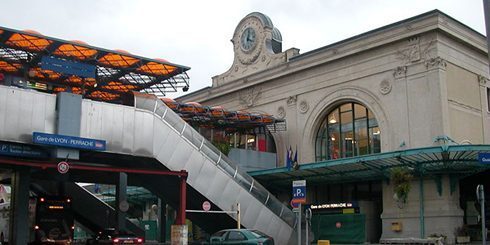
(79, 52)
(44, 74)
(157, 69)
(9, 67)
(28, 42)
(120, 87)
(104, 95)
(117, 60)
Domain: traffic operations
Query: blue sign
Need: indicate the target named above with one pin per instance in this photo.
(484, 158)
(8, 149)
(299, 191)
(67, 67)
(68, 141)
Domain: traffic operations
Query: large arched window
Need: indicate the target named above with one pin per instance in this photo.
(348, 130)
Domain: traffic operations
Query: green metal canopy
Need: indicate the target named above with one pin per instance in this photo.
(446, 159)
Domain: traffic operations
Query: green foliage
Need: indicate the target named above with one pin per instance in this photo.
(401, 178)
(224, 147)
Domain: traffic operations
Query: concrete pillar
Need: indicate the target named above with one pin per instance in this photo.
(69, 111)
(122, 204)
(19, 207)
(442, 213)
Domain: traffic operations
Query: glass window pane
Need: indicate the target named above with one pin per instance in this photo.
(346, 107)
(333, 141)
(347, 144)
(374, 140)
(345, 119)
(359, 111)
(361, 137)
(320, 143)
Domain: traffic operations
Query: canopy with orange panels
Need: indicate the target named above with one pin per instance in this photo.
(56, 65)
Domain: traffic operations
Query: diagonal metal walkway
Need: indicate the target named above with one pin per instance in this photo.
(150, 129)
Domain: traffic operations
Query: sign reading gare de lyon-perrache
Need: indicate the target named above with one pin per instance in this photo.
(68, 141)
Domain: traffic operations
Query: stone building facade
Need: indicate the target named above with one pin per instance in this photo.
(423, 79)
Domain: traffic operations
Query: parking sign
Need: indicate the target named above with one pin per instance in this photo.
(299, 192)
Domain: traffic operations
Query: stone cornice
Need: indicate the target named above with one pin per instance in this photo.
(432, 21)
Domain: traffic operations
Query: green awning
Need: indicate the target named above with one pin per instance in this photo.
(447, 159)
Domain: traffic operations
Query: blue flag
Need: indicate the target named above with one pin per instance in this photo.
(289, 160)
(295, 160)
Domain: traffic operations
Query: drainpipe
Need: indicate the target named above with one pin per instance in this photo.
(421, 198)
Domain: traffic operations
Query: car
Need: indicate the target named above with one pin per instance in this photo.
(112, 236)
(241, 236)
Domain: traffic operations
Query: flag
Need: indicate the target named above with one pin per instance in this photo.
(289, 160)
(295, 160)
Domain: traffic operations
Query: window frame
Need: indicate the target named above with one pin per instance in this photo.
(356, 127)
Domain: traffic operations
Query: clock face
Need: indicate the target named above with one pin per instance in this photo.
(248, 39)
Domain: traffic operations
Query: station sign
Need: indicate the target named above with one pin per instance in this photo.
(18, 150)
(299, 193)
(334, 205)
(484, 158)
(68, 141)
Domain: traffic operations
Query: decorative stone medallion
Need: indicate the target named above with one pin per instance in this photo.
(303, 107)
(385, 87)
(281, 113)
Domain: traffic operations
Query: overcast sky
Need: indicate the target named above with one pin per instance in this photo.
(197, 33)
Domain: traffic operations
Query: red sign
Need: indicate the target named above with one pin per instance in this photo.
(206, 206)
(295, 202)
(63, 167)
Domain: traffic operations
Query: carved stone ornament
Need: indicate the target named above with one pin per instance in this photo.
(303, 107)
(281, 113)
(482, 80)
(385, 87)
(250, 96)
(414, 52)
(292, 100)
(437, 62)
(400, 72)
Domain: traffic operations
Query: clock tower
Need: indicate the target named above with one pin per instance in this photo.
(257, 45)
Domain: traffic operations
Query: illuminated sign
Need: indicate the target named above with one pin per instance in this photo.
(55, 207)
(333, 205)
(484, 158)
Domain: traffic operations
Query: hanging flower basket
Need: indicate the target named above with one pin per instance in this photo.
(401, 178)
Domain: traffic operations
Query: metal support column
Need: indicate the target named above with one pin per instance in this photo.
(422, 212)
(19, 207)
(122, 205)
(182, 202)
(162, 220)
